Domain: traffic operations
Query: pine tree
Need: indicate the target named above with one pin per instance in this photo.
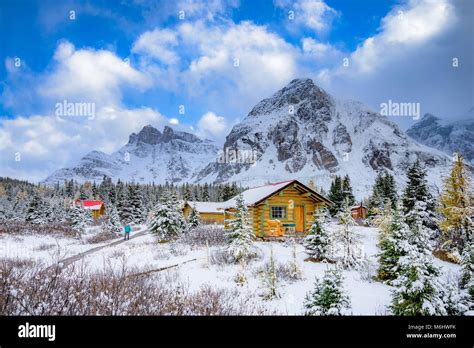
(328, 296)
(417, 191)
(194, 218)
(112, 222)
(294, 270)
(270, 279)
(457, 207)
(455, 300)
(336, 196)
(240, 243)
(79, 218)
(317, 243)
(348, 238)
(167, 220)
(418, 291)
(390, 190)
(392, 239)
(205, 193)
(35, 212)
(347, 191)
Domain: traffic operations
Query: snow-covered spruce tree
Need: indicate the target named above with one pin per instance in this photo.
(112, 223)
(328, 296)
(336, 195)
(294, 270)
(457, 207)
(194, 218)
(417, 190)
(240, 238)
(349, 240)
(35, 213)
(269, 279)
(347, 190)
(417, 289)
(455, 300)
(467, 267)
(78, 218)
(392, 239)
(133, 208)
(167, 220)
(317, 243)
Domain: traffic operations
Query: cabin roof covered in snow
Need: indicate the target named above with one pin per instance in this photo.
(90, 204)
(257, 194)
(207, 207)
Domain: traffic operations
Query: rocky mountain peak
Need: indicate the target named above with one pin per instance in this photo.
(148, 135)
(298, 91)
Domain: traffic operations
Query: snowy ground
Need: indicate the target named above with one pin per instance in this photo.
(367, 297)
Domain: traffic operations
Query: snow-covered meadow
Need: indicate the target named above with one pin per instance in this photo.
(198, 266)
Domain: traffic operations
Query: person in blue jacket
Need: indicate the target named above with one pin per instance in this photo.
(127, 229)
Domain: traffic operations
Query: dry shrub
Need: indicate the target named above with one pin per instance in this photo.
(215, 235)
(16, 227)
(101, 237)
(447, 256)
(75, 291)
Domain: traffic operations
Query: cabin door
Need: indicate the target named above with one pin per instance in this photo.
(299, 218)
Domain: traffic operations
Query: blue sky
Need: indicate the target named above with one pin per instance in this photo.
(138, 62)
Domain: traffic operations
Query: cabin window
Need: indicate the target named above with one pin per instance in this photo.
(278, 212)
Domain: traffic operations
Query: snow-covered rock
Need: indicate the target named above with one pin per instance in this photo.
(149, 156)
(302, 132)
(448, 137)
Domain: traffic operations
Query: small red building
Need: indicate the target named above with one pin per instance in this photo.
(359, 211)
(96, 207)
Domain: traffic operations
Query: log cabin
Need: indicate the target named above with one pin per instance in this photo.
(359, 211)
(96, 207)
(279, 209)
(209, 212)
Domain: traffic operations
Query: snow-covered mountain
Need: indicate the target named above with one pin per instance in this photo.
(304, 133)
(149, 156)
(448, 137)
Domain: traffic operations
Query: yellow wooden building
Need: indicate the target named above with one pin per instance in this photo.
(209, 212)
(284, 208)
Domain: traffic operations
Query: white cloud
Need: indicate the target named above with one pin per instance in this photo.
(241, 62)
(158, 44)
(403, 28)
(174, 121)
(211, 124)
(89, 75)
(313, 14)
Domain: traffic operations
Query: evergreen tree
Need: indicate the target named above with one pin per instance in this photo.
(384, 189)
(205, 193)
(112, 222)
(455, 300)
(390, 190)
(417, 191)
(35, 213)
(194, 218)
(328, 296)
(336, 195)
(392, 239)
(347, 191)
(270, 279)
(135, 207)
(167, 220)
(79, 218)
(348, 238)
(418, 291)
(317, 243)
(457, 207)
(240, 243)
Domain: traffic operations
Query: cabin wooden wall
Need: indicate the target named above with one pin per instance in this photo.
(261, 213)
(205, 217)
